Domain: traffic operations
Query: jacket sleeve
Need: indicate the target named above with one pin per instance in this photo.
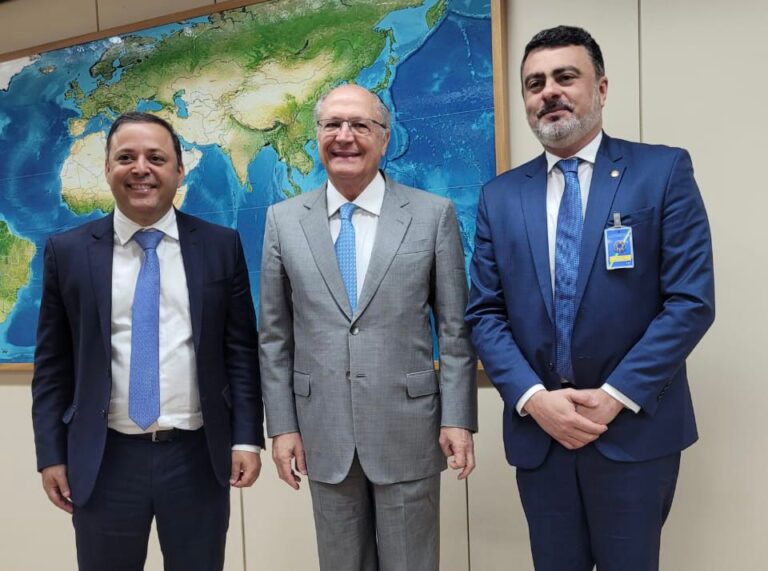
(53, 379)
(507, 368)
(686, 288)
(276, 343)
(458, 365)
(241, 341)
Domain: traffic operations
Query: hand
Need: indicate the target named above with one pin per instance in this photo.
(285, 448)
(246, 467)
(555, 412)
(458, 443)
(603, 408)
(56, 486)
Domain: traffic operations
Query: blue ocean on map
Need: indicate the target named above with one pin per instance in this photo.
(439, 88)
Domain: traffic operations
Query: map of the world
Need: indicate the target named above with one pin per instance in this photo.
(239, 86)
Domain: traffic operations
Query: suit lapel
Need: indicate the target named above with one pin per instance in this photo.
(192, 257)
(390, 230)
(534, 199)
(606, 177)
(318, 235)
(100, 262)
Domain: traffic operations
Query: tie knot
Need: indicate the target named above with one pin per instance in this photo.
(346, 210)
(148, 240)
(568, 165)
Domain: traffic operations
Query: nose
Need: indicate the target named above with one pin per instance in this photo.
(345, 132)
(551, 89)
(140, 165)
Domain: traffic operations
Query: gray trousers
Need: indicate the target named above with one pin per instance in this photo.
(362, 526)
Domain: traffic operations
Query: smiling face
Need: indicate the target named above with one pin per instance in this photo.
(351, 160)
(143, 172)
(563, 98)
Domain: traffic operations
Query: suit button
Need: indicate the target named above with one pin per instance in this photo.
(348, 376)
(103, 414)
(355, 330)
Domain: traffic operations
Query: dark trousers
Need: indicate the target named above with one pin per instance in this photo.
(585, 510)
(170, 481)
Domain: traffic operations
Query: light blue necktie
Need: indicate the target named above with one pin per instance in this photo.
(345, 253)
(144, 388)
(567, 245)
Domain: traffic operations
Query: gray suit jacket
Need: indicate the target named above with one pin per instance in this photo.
(366, 381)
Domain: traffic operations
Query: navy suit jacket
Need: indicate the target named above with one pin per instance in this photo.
(72, 381)
(634, 328)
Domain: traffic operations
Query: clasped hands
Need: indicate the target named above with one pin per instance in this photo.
(573, 417)
(289, 457)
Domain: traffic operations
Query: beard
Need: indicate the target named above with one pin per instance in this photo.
(569, 130)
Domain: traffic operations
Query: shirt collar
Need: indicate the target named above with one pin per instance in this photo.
(587, 153)
(125, 228)
(369, 200)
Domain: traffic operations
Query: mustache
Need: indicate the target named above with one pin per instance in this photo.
(554, 105)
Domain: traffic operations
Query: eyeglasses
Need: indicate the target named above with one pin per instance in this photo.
(361, 127)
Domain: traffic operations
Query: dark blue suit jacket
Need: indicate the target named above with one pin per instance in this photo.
(72, 381)
(634, 327)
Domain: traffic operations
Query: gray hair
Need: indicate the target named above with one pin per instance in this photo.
(383, 111)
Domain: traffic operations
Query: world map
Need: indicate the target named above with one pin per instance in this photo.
(239, 86)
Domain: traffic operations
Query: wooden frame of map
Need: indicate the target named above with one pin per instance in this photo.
(239, 80)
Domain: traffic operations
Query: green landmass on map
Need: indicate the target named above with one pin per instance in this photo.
(436, 12)
(250, 76)
(15, 257)
(130, 51)
(85, 204)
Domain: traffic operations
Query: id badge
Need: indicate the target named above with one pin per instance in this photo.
(619, 253)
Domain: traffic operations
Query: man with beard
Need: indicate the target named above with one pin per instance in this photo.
(592, 281)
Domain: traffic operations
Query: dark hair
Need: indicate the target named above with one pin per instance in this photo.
(139, 117)
(563, 36)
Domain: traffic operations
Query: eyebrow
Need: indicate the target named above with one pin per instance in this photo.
(133, 150)
(556, 71)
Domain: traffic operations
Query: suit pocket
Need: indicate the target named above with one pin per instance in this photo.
(415, 246)
(633, 218)
(422, 383)
(69, 414)
(300, 384)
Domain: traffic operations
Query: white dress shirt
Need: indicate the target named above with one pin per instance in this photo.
(555, 191)
(365, 220)
(179, 395)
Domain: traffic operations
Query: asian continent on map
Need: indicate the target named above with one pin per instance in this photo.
(240, 87)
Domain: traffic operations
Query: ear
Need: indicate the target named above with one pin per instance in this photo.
(182, 173)
(385, 142)
(602, 90)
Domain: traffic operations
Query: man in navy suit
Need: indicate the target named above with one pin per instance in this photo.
(592, 282)
(146, 395)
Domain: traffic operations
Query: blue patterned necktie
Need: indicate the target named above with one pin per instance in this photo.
(345, 253)
(144, 387)
(567, 245)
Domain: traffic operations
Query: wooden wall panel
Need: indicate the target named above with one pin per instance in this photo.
(27, 23)
(703, 84)
(113, 13)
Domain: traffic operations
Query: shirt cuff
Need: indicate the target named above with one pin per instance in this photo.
(621, 397)
(247, 448)
(527, 395)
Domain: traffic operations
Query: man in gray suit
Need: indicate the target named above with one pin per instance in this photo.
(349, 276)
